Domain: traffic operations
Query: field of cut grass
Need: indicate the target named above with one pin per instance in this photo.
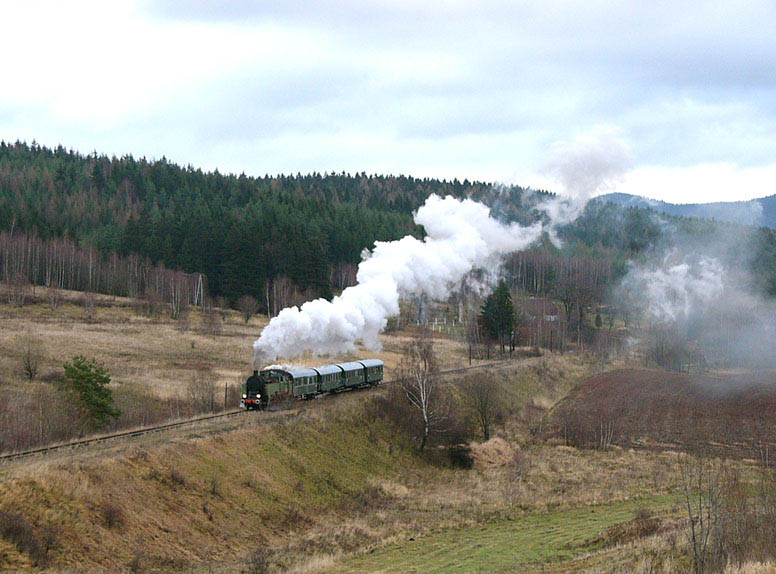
(528, 541)
(158, 354)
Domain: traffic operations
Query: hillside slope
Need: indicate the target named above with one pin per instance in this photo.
(632, 406)
(757, 212)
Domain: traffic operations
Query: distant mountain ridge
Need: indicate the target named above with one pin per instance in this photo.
(758, 212)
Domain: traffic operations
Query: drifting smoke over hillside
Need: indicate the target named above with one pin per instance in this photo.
(460, 235)
(674, 289)
(701, 297)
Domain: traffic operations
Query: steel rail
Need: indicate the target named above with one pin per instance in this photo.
(116, 435)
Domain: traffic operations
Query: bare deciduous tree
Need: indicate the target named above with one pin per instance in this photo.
(211, 321)
(89, 303)
(64, 264)
(283, 293)
(515, 472)
(201, 389)
(418, 378)
(702, 479)
(248, 306)
(31, 356)
(18, 288)
(54, 297)
(222, 306)
(177, 293)
(481, 393)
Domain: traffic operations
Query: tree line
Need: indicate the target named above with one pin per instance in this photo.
(260, 235)
(27, 260)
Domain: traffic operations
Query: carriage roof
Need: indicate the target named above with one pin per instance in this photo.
(372, 363)
(298, 373)
(327, 370)
(294, 373)
(352, 366)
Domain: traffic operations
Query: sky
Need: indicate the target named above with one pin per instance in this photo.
(481, 90)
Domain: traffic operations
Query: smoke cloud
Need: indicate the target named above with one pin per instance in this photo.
(585, 166)
(674, 290)
(460, 236)
(701, 298)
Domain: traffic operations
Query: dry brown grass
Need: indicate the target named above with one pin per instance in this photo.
(136, 349)
(152, 352)
(315, 490)
(752, 568)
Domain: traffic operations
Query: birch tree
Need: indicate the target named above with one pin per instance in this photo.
(418, 377)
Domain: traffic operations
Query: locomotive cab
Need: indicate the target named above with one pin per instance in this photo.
(254, 393)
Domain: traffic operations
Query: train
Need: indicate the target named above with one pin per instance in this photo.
(275, 385)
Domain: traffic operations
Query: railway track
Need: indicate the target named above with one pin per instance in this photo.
(117, 435)
(178, 424)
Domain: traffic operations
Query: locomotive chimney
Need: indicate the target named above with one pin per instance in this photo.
(255, 373)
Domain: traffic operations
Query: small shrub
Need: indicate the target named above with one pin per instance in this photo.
(112, 515)
(248, 307)
(222, 305)
(31, 356)
(201, 390)
(176, 478)
(211, 322)
(460, 456)
(54, 297)
(182, 320)
(215, 486)
(259, 561)
(18, 289)
(135, 565)
(89, 303)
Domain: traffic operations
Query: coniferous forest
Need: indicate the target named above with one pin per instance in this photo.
(245, 234)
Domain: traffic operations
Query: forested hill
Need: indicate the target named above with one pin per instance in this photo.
(238, 230)
(248, 233)
(757, 212)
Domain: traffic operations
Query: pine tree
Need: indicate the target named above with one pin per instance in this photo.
(87, 382)
(498, 315)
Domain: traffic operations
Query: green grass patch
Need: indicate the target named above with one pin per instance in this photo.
(506, 545)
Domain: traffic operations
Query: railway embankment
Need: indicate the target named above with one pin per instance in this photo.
(325, 478)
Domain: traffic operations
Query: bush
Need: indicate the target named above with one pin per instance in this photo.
(112, 515)
(248, 307)
(31, 356)
(201, 390)
(258, 562)
(460, 456)
(176, 478)
(211, 322)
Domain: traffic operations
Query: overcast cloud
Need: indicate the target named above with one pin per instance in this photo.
(479, 90)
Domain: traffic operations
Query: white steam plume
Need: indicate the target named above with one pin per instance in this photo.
(460, 236)
(673, 291)
(584, 166)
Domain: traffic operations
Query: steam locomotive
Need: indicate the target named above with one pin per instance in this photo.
(275, 385)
